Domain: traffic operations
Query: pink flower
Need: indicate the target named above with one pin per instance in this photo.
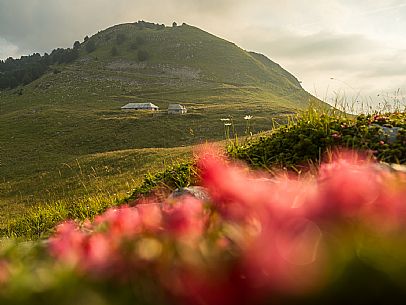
(66, 244)
(98, 253)
(346, 188)
(150, 216)
(236, 194)
(260, 236)
(123, 221)
(185, 218)
(4, 272)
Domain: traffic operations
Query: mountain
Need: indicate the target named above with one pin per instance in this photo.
(72, 112)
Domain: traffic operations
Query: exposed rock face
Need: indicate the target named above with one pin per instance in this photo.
(389, 134)
(393, 168)
(198, 192)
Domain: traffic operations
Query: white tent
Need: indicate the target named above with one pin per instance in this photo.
(140, 106)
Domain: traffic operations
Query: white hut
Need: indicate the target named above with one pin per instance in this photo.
(140, 106)
(176, 109)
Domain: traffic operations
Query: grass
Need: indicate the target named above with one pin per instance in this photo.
(65, 138)
(82, 189)
(305, 140)
(64, 123)
(39, 222)
(308, 138)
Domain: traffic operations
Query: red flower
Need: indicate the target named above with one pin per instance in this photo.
(185, 219)
(260, 236)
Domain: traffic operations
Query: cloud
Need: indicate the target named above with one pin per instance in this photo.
(357, 42)
(7, 49)
(357, 63)
(289, 44)
(41, 25)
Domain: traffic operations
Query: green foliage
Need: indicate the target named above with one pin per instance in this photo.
(148, 25)
(310, 136)
(63, 56)
(307, 138)
(39, 222)
(15, 72)
(181, 175)
(90, 46)
(80, 189)
(76, 44)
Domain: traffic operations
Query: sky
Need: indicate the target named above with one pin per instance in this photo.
(339, 49)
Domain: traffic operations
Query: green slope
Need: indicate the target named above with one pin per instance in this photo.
(203, 55)
(74, 111)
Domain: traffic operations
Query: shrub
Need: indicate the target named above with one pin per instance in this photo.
(181, 175)
(90, 46)
(308, 138)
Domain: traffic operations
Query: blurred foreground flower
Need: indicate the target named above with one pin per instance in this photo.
(261, 238)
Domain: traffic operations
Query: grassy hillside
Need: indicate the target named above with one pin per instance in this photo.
(299, 147)
(72, 113)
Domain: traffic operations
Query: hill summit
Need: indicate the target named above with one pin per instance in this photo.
(70, 111)
(187, 52)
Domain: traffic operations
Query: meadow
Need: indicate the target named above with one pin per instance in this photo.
(299, 146)
(287, 233)
(56, 131)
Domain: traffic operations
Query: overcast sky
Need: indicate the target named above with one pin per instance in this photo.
(342, 47)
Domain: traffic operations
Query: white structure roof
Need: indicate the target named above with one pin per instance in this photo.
(140, 106)
(176, 106)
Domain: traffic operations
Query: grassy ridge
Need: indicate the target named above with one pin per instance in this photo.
(211, 58)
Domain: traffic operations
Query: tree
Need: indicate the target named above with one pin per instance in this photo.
(174, 24)
(76, 45)
(90, 46)
(70, 55)
(46, 60)
(12, 82)
(27, 78)
(86, 38)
